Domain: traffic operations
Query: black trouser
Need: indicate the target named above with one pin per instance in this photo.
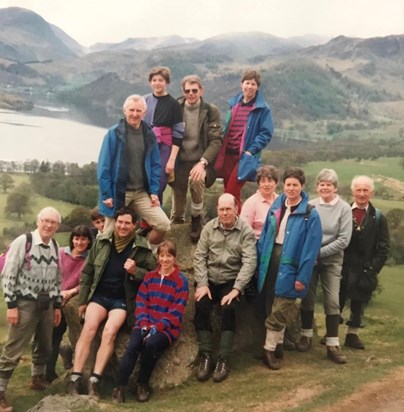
(204, 307)
(149, 350)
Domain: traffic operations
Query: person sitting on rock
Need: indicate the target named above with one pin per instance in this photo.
(224, 262)
(160, 306)
(114, 269)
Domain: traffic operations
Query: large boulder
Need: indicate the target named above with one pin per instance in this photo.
(175, 366)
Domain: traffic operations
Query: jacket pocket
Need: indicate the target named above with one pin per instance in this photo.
(367, 281)
(247, 167)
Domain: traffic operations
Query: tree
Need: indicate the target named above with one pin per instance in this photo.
(6, 182)
(17, 203)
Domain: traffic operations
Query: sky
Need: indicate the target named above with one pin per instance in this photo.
(93, 21)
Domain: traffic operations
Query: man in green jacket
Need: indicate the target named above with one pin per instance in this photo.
(109, 282)
(224, 262)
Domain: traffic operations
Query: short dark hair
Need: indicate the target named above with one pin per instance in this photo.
(270, 172)
(163, 71)
(126, 211)
(81, 230)
(251, 75)
(95, 214)
(295, 172)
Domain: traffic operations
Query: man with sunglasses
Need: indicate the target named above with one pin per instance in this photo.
(202, 142)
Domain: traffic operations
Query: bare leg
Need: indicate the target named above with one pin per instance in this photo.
(116, 318)
(95, 315)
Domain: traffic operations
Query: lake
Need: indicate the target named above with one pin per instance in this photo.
(27, 137)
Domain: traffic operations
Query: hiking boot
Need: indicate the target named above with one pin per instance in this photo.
(335, 354)
(204, 367)
(142, 392)
(119, 394)
(38, 383)
(222, 369)
(74, 388)
(278, 352)
(271, 361)
(353, 341)
(304, 344)
(66, 353)
(94, 390)
(4, 405)
(196, 228)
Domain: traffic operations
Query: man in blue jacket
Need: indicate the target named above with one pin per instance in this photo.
(129, 171)
(288, 248)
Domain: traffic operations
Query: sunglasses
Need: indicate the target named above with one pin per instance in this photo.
(188, 91)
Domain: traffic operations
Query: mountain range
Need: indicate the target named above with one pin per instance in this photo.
(309, 81)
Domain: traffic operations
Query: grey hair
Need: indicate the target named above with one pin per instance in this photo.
(134, 98)
(362, 179)
(327, 175)
(49, 211)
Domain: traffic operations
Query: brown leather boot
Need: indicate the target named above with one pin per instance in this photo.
(119, 394)
(38, 383)
(335, 354)
(271, 361)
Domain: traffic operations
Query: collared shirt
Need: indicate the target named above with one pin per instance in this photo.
(255, 210)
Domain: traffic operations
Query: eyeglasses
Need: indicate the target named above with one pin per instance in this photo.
(193, 91)
(49, 222)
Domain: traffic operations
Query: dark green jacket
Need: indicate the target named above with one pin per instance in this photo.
(95, 266)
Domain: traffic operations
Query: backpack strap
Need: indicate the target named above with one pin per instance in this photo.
(28, 245)
(308, 211)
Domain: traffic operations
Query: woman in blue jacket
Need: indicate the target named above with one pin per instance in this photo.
(248, 129)
(288, 248)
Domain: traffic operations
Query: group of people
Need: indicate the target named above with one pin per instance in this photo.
(161, 139)
(284, 243)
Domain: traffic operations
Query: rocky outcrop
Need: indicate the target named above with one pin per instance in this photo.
(175, 366)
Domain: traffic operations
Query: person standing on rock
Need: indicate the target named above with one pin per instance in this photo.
(160, 306)
(201, 144)
(31, 285)
(224, 262)
(247, 131)
(114, 269)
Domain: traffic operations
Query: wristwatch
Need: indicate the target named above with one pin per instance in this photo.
(204, 162)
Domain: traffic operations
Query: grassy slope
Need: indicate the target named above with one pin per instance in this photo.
(306, 381)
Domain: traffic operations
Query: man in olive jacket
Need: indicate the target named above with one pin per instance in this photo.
(115, 267)
(202, 142)
(364, 257)
(224, 262)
